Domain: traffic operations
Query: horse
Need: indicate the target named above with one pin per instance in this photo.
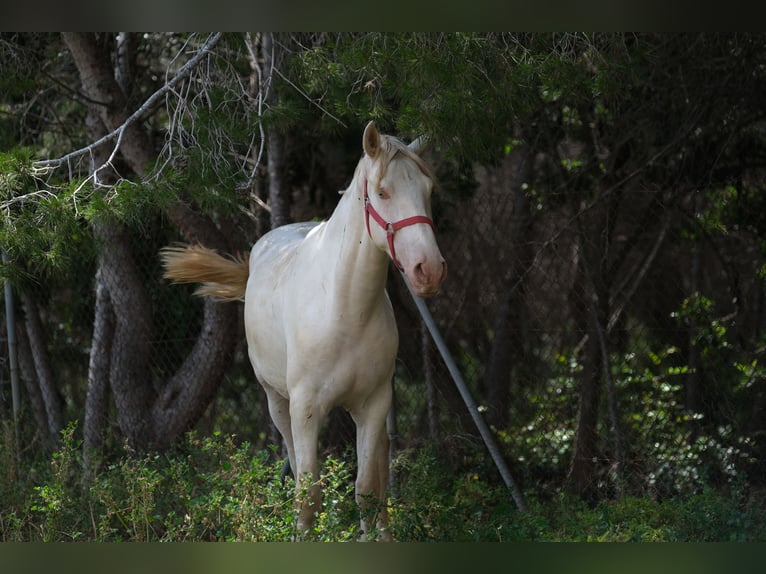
(319, 324)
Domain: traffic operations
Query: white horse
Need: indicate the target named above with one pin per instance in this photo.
(319, 324)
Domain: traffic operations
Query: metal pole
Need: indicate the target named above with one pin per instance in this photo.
(10, 322)
(486, 434)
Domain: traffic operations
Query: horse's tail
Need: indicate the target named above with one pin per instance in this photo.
(222, 277)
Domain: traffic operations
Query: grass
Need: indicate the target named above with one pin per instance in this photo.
(218, 489)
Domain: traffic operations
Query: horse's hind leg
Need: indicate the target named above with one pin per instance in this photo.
(279, 409)
(372, 455)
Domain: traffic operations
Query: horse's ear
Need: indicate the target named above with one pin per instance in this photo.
(371, 141)
(419, 144)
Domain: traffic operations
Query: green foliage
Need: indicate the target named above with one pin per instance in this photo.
(206, 489)
(705, 517)
(41, 225)
(668, 449)
(670, 455)
(12, 166)
(710, 334)
(133, 204)
(56, 500)
(216, 489)
(417, 83)
(541, 442)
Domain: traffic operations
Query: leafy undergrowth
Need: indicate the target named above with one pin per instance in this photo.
(216, 489)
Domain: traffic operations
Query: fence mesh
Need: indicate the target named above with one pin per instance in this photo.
(539, 286)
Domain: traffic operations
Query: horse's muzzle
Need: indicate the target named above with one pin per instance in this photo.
(426, 280)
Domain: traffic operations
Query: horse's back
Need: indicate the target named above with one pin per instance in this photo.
(272, 254)
(280, 242)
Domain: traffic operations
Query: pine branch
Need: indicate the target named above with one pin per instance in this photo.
(137, 115)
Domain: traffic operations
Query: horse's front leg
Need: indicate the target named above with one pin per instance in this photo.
(372, 456)
(306, 419)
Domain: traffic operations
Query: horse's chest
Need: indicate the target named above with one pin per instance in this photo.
(352, 352)
(348, 336)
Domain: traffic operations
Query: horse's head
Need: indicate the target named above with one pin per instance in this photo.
(397, 195)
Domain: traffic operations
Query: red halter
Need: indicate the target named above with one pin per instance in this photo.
(390, 228)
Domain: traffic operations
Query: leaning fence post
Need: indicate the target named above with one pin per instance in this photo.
(10, 323)
(484, 430)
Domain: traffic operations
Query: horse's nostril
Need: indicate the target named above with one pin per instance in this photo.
(422, 273)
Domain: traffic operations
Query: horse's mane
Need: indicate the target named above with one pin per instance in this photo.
(391, 146)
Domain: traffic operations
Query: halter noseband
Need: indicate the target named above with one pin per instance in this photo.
(390, 228)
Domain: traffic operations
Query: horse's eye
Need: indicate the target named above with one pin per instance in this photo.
(383, 193)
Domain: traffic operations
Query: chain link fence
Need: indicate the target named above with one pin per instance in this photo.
(549, 299)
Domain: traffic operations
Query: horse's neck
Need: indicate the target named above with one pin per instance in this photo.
(356, 267)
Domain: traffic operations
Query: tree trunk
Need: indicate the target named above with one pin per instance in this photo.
(507, 348)
(97, 398)
(501, 360)
(279, 194)
(260, 80)
(129, 373)
(599, 311)
(584, 467)
(122, 329)
(693, 399)
(107, 99)
(54, 411)
(125, 62)
(757, 420)
(28, 373)
(593, 234)
(188, 393)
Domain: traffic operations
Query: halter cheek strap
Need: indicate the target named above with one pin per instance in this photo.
(390, 228)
